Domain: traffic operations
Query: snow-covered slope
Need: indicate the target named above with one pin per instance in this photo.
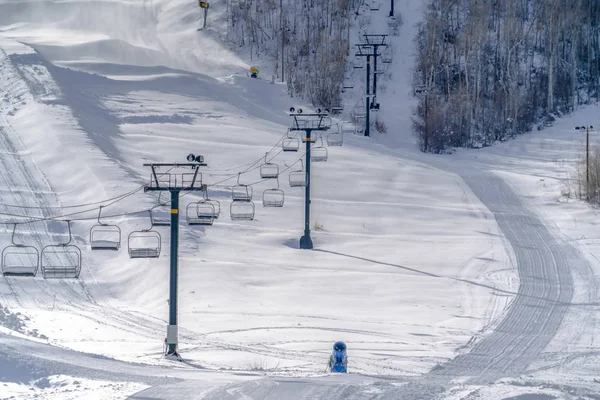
(409, 267)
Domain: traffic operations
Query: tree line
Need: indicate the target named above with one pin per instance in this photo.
(488, 70)
(306, 40)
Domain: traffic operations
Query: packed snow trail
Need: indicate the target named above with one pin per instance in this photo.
(545, 291)
(531, 322)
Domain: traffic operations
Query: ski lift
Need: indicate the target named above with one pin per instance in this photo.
(347, 85)
(160, 215)
(104, 236)
(335, 139)
(373, 6)
(19, 259)
(336, 110)
(61, 260)
(241, 192)
(358, 63)
(319, 153)
(290, 144)
(200, 213)
(215, 203)
(359, 111)
(347, 127)
(242, 210)
(298, 178)
(386, 57)
(145, 243)
(269, 170)
(273, 197)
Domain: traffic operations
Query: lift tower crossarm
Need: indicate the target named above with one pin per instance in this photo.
(174, 188)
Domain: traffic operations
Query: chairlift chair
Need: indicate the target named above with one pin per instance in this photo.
(319, 153)
(386, 58)
(358, 64)
(215, 203)
(241, 192)
(105, 236)
(290, 143)
(337, 110)
(273, 197)
(298, 178)
(347, 127)
(19, 259)
(335, 139)
(159, 215)
(145, 243)
(61, 260)
(374, 6)
(269, 170)
(200, 213)
(242, 210)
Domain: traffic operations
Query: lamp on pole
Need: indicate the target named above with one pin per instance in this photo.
(587, 128)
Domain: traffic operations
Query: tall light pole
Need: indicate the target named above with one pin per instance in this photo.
(587, 128)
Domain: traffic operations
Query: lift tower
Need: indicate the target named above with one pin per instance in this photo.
(319, 121)
(175, 183)
(370, 49)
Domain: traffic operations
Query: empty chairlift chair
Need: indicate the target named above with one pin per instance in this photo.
(200, 213)
(374, 6)
(241, 192)
(161, 215)
(386, 57)
(104, 236)
(298, 178)
(216, 204)
(335, 138)
(290, 144)
(19, 259)
(145, 243)
(319, 153)
(273, 197)
(269, 170)
(242, 207)
(347, 128)
(242, 210)
(61, 260)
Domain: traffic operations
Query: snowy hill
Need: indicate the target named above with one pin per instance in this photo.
(410, 268)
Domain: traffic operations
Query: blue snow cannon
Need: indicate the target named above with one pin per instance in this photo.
(338, 362)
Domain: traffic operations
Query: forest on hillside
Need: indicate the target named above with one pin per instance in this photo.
(308, 42)
(488, 70)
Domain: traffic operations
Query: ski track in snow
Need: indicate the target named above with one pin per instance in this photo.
(531, 322)
(505, 349)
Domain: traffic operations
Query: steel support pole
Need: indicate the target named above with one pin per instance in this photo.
(367, 117)
(587, 161)
(172, 330)
(391, 8)
(306, 241)
(375, 75)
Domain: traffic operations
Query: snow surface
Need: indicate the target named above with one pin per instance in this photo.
(409, 267)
